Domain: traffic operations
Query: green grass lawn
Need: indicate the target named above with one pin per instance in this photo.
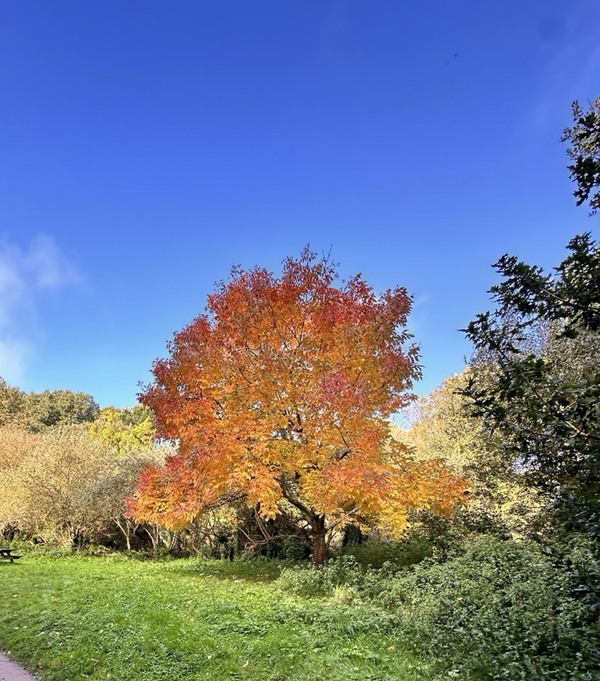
(114, 617)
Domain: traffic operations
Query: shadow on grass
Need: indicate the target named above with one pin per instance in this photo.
(257, 570)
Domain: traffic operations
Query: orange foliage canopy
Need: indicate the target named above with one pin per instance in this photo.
(281, 395)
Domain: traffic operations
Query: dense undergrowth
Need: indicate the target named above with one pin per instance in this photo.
(501, 610)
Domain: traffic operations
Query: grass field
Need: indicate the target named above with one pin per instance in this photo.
(119, 618)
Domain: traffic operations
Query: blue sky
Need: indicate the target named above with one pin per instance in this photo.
(146, 147)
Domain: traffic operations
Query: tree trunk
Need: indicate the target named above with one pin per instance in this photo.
(317, 539)
(154, 536)
(125, 528)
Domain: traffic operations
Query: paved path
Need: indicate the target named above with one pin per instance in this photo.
(10, 671)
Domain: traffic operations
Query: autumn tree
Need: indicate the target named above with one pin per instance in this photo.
(440, 426)
(15, 446)
(280, 395)
(64, 485)
(52, 485)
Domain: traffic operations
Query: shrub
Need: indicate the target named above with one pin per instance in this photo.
(343, 572)
(409, 551)
(504, 610)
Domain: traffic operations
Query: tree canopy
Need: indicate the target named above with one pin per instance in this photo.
(281, 394)
(125, 430)
(38, 411)
(442, 424)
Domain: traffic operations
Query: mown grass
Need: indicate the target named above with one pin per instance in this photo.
(114, 617)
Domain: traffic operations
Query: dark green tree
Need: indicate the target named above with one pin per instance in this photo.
(58, 408)
(37, 411)
(11, 403)
(584, 150)
(545, 404)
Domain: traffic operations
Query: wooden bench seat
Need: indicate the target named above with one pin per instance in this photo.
(7, 554)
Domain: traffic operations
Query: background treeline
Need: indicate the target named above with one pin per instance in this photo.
(67, 466)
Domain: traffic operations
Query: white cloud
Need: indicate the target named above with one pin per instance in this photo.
(25, 273)
(47, 266)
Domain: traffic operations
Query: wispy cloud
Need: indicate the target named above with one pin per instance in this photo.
(25, 274)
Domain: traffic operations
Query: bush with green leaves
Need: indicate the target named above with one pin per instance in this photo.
(543, 403)
(341, 573)
(505, 610)
(411, 550)
(430, 536)
(502, 610)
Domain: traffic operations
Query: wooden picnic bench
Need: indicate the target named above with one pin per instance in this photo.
(8, 555)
